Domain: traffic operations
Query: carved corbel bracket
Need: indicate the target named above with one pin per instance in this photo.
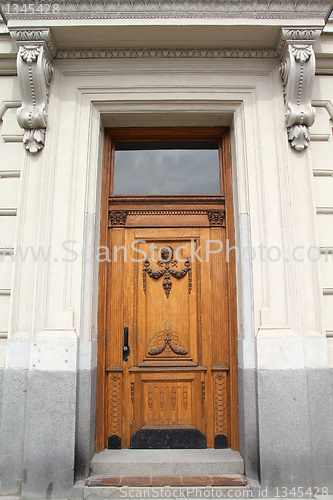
(297, 71)
(34, 69)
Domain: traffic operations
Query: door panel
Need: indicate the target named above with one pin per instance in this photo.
(176, 339)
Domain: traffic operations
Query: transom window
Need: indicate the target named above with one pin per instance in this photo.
(166, 167)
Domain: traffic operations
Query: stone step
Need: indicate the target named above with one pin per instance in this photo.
(167, 462)
(168, 480)
(166, 492)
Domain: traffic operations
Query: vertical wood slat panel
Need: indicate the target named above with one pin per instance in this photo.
(232, 292)
(100, 440)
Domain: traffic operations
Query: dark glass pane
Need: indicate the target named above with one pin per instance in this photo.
(166, 167)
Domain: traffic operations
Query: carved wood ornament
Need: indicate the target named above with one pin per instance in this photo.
(216, 217)
(167, 338)
(114, 411)
(221, 403)
(298, 71)
(117, 218)
(167, 261)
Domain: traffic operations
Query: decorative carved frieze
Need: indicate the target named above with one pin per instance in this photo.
(34, 69)
(297, 70)
(117, 218)
(155, 9)
(166, 53)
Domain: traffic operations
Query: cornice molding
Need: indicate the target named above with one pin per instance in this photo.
(35, 35)
(297, 71)
(298, 35)
(166, 53)
(34, 70)
(162, 9)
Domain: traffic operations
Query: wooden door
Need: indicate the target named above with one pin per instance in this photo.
(167, 337)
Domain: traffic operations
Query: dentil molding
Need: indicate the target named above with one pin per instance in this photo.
(161, 9)
(34, 69)
(298, 71)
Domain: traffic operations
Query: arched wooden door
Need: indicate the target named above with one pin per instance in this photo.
(167, 314)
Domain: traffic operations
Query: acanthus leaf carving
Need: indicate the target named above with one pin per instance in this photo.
(302, 53)
(297, 71)
(34, 139)
(29, 54)
(34, 69)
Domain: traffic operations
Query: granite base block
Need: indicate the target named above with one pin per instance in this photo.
(49, 442)
(248, 421)
(12, 431)
(293, 429)
(85, 422)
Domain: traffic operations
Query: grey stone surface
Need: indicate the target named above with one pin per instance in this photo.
(1, 395)
(85, 421)
(48, 468)
(161, 462)
(12, 431)
(320, 398)
(248, 421)
(284, 427)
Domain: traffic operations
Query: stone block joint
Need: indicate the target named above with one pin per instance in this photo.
(34, 69)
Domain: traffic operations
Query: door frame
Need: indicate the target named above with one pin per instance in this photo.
(155, 133)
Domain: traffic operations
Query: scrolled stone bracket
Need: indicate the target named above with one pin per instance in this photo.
(297, 70)
(34, 69)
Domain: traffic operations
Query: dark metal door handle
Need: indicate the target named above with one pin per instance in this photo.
(126, 349)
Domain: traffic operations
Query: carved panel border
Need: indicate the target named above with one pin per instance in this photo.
(114, 419)
(221, 402)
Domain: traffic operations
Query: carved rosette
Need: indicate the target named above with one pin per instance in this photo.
(297, 71)
(117, 218)
(34, 69)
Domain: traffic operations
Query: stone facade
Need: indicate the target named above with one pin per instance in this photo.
(134, 64)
